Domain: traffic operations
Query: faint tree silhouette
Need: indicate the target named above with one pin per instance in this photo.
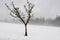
(15, 13)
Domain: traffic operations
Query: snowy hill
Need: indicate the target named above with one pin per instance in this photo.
(9, 31)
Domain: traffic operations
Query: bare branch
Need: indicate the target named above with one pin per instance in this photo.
(13, 15)
(28, 19)
(15, 12)
(8, 8)
(25, 8)
(13, 6)
(18, 15)
(30, 7)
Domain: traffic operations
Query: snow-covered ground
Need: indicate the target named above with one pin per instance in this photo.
(9, 31)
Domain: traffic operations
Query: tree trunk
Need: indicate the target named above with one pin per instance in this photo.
(25, 30)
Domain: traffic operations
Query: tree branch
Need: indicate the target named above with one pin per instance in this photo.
(30, 7)
(13, 15)
(19, 16)
(16, 12)
(8, 8)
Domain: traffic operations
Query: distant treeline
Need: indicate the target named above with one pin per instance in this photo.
(48, 22)
(38, 21)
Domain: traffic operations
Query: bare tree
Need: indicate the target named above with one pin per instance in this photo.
(15, 13)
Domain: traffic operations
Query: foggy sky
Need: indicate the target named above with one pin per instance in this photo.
(44, 8)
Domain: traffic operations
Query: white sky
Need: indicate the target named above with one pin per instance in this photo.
(44, 8)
